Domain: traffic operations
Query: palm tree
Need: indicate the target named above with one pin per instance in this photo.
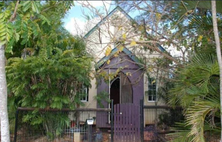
(197, 91)
(197, 86)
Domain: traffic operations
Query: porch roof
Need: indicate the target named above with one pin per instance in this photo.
(114, 51)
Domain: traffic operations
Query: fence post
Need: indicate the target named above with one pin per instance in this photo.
(16, 125)
(89, 133)
(141, 120)
(112, 119)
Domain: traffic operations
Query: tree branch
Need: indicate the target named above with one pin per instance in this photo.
(218, 51)
(162, 53)
(12, 18)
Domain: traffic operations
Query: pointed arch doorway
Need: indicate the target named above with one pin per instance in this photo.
(126, 122)
(121, 89)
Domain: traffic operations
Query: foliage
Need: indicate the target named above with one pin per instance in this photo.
(48, 81)
(197, 90)
(37, 76)
(196, 86)
(21, 23)
(24, 24)
(54, 64)
(169, 119)
(164, 91)
(182, 134)
(38, 31)
(101, 98)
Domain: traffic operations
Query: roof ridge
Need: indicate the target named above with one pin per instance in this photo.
(105, 18)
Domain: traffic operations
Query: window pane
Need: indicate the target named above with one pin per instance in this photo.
(151, 90)
(84, 94)
(150, 98)
(154, 98)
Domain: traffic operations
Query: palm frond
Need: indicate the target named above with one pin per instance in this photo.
(196, 116)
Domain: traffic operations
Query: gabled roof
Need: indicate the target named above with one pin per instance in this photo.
(109, 15)
(105, 18)
(114, 51)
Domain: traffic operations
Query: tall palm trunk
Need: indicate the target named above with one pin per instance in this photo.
(3, 99)
(218, 49)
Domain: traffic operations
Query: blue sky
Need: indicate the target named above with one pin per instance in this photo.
(75, 11)
(75, 17)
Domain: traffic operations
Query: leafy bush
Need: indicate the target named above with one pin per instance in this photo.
(169, 119)
(52, 79)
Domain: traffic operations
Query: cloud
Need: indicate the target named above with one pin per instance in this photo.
(76, 26)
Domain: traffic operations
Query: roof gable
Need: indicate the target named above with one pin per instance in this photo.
(118, 8)
(105, 18)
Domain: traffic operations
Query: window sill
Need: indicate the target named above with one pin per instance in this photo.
(151, 101)
(84, 101)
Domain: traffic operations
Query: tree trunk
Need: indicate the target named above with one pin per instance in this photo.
(218, 49)
(3, 99)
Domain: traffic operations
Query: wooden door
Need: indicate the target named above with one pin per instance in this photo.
(125, 89)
